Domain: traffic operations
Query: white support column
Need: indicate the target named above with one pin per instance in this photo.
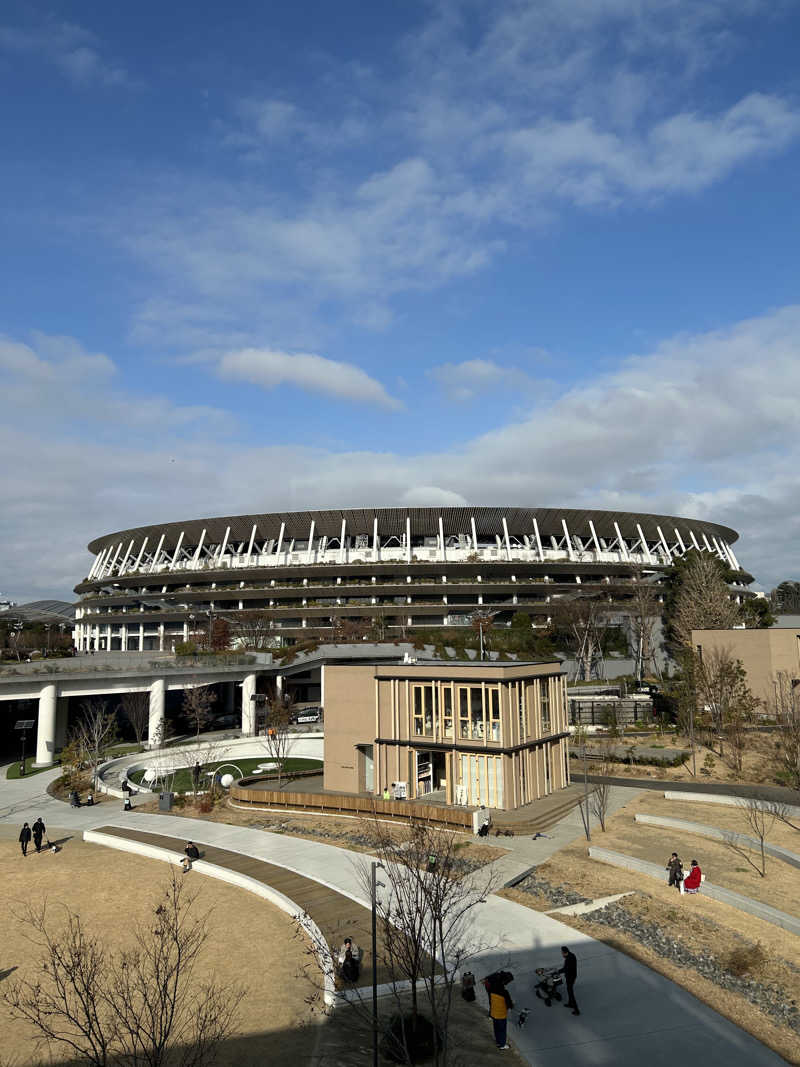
(643, 541)
(280, 539)
(408, 538)
(538, 539)
(707, 544)
(342, 535)
(734, 560)
(161, 637)
(248, 706)
(224, 545)
(250, 546)
(141, 553)
(680, 540)
(474, 533)
(95, 567)
(123, 638)
(621, 542)
(442, 552)
(506, 539)
(174, 559)
(695, 542)
(156, 557)
(113, 561)
(664, 544)
(199, 548)
(46, 725)
(375, 538)
(155, 721)
(124, 560)
(141, 637)
(568, 539)
(310, 553)
(594, 537)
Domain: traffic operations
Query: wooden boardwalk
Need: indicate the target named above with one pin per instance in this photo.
(336, 915)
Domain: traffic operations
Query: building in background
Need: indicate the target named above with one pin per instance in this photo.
(311, 573)
(766, 655)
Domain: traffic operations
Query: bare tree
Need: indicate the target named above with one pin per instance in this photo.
(584, 622)
(136, 709)
(760, 816)
(645, 610)
(95, 732)
(277, 736)
(601, 795)
(140, 1006)
(702, 600)
(785, 706)
(197, 704)
(726, 702)
(423, 917)
(252, 629)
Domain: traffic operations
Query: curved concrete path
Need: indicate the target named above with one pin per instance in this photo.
(630, 1014)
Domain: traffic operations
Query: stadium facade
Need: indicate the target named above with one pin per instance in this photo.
(152, 587)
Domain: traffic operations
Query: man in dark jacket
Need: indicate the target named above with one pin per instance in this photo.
(570, 972)
(675, 868)
(38, 833)
(24, 838)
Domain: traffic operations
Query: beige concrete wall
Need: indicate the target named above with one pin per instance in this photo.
(764, 654)
(349, 722)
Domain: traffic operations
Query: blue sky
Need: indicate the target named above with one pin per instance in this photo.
(279, 256)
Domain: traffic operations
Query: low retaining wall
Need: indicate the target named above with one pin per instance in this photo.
(726, 799)
(714, 832)
(715, 892)
(346, 804)
(223, 874)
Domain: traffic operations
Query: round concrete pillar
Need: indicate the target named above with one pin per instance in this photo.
(46, 726)
(155, 724)
(248, 705)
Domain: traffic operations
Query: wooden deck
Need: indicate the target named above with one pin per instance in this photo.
(541, 814)
(336, 915)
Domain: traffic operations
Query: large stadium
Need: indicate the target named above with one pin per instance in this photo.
(309, 572)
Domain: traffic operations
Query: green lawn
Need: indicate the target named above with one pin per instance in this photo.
(182, 782)
(13, 770)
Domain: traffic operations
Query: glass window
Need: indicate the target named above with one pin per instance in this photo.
(447, 704)
(476, 712)
(428, 693)
(523, 711)
(493, 698)
(463, 712)
(544, 697)
(417, 703)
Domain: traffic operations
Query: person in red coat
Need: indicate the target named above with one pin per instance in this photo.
(691, 883)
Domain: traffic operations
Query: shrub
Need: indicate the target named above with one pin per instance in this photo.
(206, 804)
(746, 959)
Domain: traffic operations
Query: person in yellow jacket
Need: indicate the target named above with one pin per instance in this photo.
(499, 1004)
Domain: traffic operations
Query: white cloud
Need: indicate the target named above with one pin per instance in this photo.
(468, 380)
(705, 425)
(74, 50)
(269, 368)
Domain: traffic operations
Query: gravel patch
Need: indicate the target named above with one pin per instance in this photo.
(766, 996)
(556, 895)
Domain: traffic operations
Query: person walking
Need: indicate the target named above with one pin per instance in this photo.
(500, 1003)
(570, 972)
(38, 833)
(675, 868)
(24, 838)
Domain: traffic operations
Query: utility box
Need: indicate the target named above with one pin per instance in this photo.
(165, 801)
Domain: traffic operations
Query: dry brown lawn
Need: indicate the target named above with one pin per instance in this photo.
(758, 765)
(250, 942)
(722, 816)
(699, 923)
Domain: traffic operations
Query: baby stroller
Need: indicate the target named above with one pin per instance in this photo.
(547, 988)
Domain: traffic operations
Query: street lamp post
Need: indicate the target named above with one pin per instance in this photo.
(375, 884)
(23, 725)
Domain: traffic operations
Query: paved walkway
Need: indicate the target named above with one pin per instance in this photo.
(629, 1014)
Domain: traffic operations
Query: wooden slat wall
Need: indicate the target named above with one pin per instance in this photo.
(457, 818)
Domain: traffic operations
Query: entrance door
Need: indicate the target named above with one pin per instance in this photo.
(369, 768)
